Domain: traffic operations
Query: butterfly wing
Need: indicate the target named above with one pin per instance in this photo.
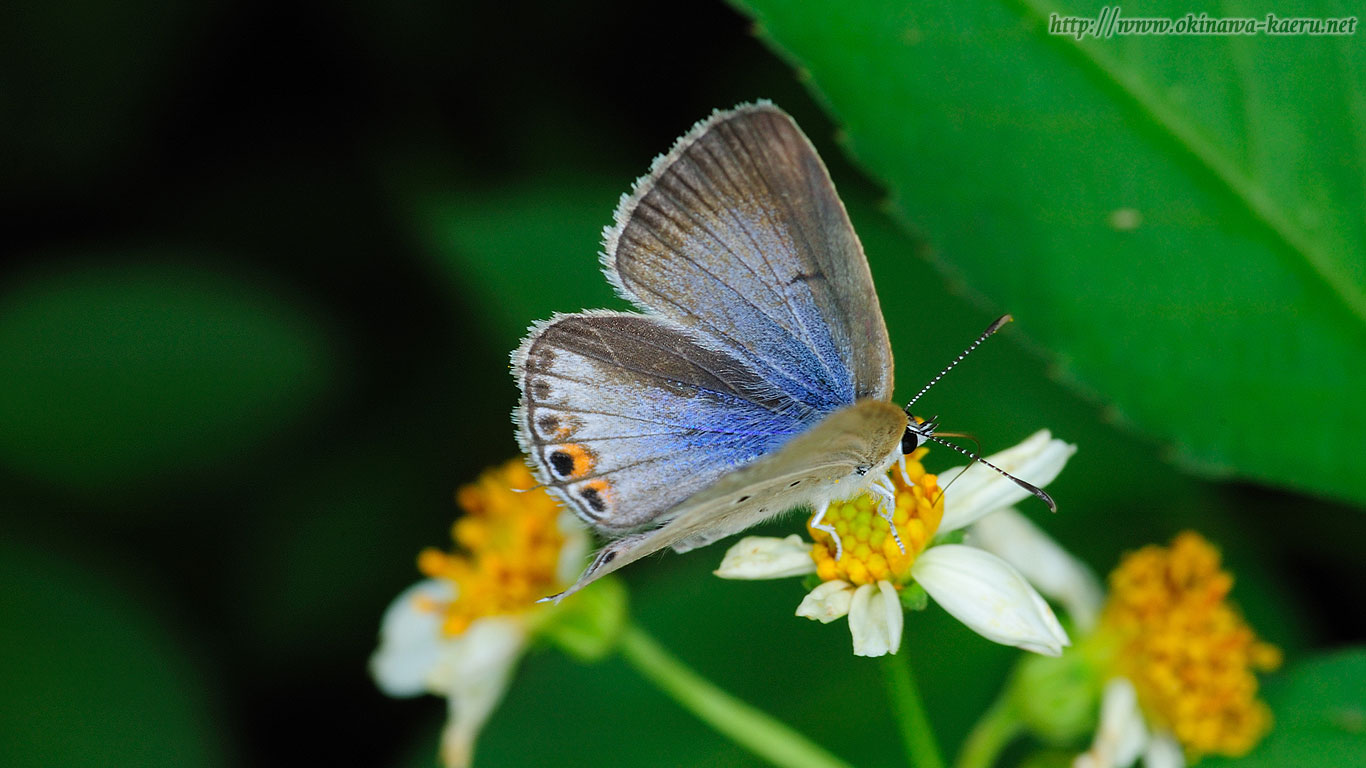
(738, 235)
(625, 416)
(836, 458)
(723, 405)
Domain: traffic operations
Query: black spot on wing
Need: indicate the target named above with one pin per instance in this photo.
(563, 464)
(594, 499)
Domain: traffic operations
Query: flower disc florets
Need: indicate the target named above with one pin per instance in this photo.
(1189, 653)
(509, 542)
(871, 553)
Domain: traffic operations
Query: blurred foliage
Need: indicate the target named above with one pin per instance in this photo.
(1320, 715)
(269, 260)
(88, 354)
(90, 676)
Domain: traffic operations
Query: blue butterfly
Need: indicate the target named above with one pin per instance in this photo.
(757, 376)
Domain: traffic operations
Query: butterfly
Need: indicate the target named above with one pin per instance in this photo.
(757, 376)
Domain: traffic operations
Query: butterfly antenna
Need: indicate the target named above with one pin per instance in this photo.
(994, 327)
(1037, 491)
(977, 451)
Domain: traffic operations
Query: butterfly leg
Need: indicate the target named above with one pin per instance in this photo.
(817, 523)
(887, 507)
(901, 465)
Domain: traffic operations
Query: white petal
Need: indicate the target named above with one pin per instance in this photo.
(1121, 735)
(1056, 573)
(410, 639)
(981, 491)
(765, 557)
(993, 599)
(474, 671)
(827, 602)
(875, 620)
(1164, 752)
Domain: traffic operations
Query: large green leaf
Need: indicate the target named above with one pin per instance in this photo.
(1320, 714)
(1177, 218)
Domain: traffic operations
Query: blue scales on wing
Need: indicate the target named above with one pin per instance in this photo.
(626, 415)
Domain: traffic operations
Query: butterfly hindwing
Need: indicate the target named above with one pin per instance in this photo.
(738, 234)
(825, 462)
(625, 415)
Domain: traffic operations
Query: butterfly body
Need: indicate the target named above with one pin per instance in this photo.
(758, 375)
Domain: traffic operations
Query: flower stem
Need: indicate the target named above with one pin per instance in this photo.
(997, 727)
(909, 711)
(749, 727)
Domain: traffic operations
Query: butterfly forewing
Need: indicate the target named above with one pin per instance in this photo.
(738, 234)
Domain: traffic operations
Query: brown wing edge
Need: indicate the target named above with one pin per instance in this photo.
(626, 206)
(520, 413)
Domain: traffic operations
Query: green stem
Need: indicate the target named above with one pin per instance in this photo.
(997, 727)
(910, 715)
(749, 727)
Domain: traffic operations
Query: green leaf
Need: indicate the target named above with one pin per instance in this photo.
(91, 677)
(1320, 715)
(1177, 218)
(112, 376)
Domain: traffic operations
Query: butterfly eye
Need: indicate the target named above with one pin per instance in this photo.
(910, 441)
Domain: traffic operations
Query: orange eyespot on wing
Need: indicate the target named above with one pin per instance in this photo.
(571, 461)
(597, 494)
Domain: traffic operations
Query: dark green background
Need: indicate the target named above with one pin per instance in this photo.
(267, 263)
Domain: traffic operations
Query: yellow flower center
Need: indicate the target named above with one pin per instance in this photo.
(870, 552)
(1188, 652)
(509, 544)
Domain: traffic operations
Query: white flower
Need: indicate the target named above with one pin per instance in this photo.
(471, 669)
(987, 594)
(827, 602)
(1051, 569)
(1168, 619)
(978, 588)
(460, 633)
(408, 648)
(981, 491)
(875, 620)
(764, 557)
(1122, 735)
